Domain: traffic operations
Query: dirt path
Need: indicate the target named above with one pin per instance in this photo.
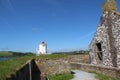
(81, 75)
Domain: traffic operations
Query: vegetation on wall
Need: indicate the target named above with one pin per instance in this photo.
(109, 5)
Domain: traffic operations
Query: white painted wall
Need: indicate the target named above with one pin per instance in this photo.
(42, 49)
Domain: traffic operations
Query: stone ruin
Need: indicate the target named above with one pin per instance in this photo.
(104, 49)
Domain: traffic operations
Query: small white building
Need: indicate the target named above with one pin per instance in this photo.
(42, 48)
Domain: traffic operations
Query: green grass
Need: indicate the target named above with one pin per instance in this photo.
(103, 77)
(52, 56)
(13, 54)
(9, 66)
(60, 77)
(6, 54)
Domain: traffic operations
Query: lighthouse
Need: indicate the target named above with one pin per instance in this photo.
(42, 49)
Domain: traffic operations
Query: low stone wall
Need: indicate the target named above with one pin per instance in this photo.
(38, 69)
(108, 71)
(53, 66)
(77, 58)
(60, 65)
(29, 71)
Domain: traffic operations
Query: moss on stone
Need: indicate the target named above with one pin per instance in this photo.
(109, 5)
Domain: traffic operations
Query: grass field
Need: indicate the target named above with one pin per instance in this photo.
(103, 77)
(9, 66)
(6, 54)
(13, 54)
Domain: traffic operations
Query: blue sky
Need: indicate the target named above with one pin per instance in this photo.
(62, 24)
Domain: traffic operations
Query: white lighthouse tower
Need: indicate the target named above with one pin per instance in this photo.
(42, 48)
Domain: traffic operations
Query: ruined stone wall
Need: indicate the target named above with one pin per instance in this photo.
(60, 65)
(115, 17)
(40, 68)
(53, 66)
(109, 39)
(101, 36)
(83, 58)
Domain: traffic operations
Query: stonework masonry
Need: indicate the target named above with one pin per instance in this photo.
(53, 66)
(105, 46)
